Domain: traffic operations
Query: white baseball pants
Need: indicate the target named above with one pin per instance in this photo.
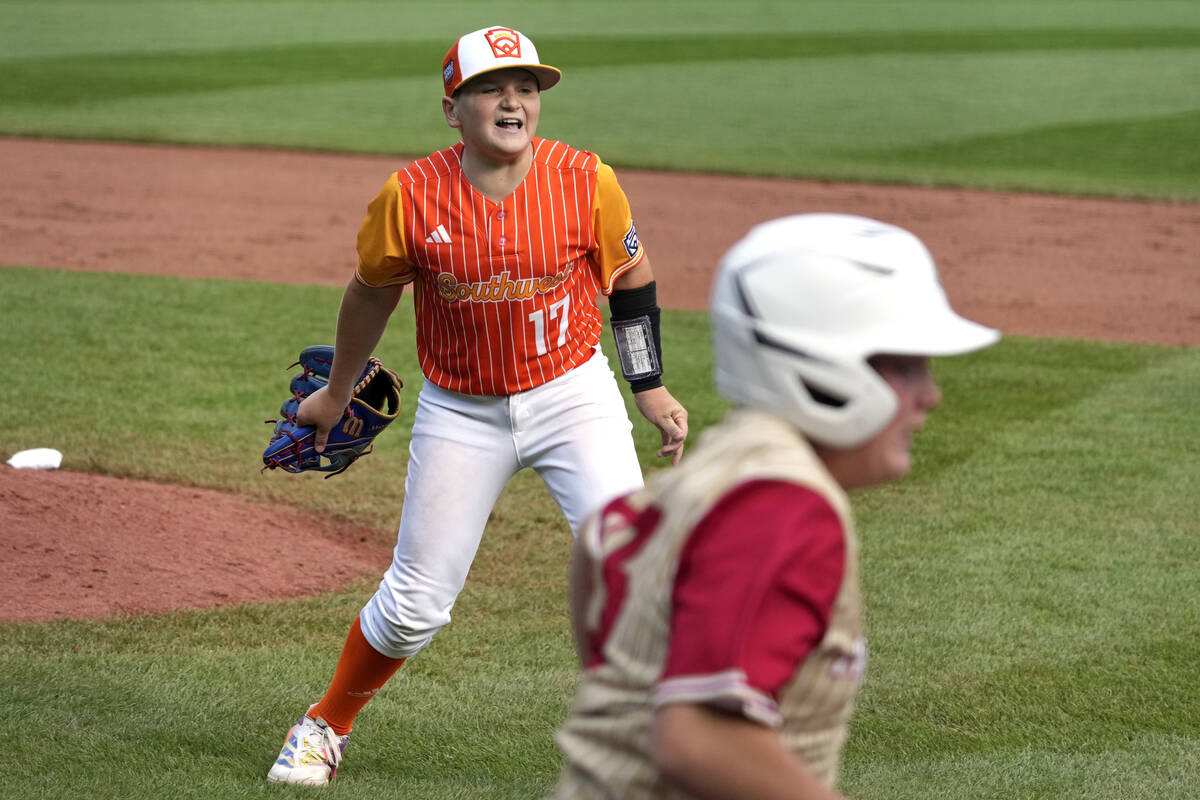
(574, 431)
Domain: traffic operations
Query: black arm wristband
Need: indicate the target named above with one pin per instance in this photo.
(635, 323)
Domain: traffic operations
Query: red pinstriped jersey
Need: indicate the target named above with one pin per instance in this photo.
(730, 581)
(504, 293)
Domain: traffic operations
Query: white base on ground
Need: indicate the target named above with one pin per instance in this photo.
(37, 458)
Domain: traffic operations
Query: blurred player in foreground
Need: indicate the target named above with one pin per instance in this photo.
(507, 239)
(717, 611)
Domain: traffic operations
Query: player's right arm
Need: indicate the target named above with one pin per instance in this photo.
(363, 316)
(715, 755)
(367, 304)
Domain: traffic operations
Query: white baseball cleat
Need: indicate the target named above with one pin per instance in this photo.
(310, 755)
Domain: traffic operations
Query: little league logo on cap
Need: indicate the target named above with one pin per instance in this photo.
(505, 42)
(489, 49)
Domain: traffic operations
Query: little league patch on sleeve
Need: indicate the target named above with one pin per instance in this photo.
(631, 240)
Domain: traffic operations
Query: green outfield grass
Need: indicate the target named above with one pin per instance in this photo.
(1060, 96)
(1030, 588)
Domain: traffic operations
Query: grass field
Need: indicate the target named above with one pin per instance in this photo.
(1031, 588)
(1032, 614)
(1095, 97)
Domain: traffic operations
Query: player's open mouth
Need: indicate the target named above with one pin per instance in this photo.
(510, 124)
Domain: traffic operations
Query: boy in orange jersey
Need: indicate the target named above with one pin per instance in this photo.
(717, 611)
(507, 240)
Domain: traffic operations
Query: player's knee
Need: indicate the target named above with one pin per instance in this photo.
(400, 630)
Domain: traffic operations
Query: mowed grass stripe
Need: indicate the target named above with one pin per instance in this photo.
(1086, 155)
(1024, 392)
(84, 78)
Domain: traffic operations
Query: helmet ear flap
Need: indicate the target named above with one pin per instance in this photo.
(846, 402)
(835, 400)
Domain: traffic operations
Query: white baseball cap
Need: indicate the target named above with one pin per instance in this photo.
(489, 49)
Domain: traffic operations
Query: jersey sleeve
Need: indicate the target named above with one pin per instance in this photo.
(383, 258)
(753, 596)
(618, 248)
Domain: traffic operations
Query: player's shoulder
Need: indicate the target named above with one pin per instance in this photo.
(780, 497)
(435, 166)
(561, 156)
(762, 527)
(753, 444)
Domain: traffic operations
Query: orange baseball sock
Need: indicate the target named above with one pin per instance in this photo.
(361, 672)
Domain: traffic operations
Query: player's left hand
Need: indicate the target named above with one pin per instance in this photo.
(658, 406)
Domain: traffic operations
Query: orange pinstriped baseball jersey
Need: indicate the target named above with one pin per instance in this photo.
(729, 581)
(505, 293)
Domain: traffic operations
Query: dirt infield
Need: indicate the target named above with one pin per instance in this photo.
(77, 545)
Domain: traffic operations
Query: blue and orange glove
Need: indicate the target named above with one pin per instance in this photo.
(374, 404)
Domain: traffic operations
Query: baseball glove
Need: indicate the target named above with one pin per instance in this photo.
(374, 403)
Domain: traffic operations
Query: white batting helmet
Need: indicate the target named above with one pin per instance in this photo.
(800, 303)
